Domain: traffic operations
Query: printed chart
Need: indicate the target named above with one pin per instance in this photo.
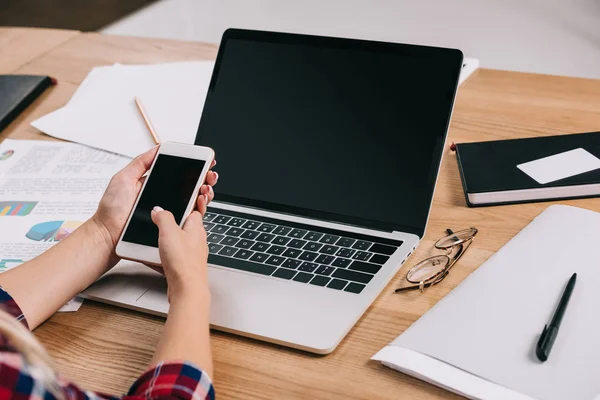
(6, 155)
(7, 263)
(52, 231)
(16, 208)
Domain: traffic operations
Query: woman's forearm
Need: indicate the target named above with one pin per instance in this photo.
(186, 335)
(42, 285)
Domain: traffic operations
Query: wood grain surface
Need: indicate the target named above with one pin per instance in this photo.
(105, 348)
(18, 46)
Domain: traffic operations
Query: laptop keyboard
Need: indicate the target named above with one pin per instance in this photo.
(317, 256)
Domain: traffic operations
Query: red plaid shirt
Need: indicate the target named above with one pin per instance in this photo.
(167, 380)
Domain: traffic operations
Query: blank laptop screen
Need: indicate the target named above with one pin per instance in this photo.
(342, 130)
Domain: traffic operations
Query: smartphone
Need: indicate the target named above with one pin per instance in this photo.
(173, 182)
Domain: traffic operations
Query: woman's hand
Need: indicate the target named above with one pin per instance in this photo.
(123, 189)
(183, 253)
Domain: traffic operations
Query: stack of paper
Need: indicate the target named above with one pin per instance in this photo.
(102, 113)
(479, 341)
(47, 190)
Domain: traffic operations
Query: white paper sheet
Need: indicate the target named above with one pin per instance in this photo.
(489, 325)
(444, 375)
(47, 189)
(73, 305)
(102, 113)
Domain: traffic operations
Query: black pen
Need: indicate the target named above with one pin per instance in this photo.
(544, 345)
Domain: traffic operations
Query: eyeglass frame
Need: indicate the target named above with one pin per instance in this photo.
(462, 248)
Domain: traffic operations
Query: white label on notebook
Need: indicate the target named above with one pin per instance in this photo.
(560, 166)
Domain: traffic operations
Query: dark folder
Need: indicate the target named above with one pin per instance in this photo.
(490, 175)
(17, 92)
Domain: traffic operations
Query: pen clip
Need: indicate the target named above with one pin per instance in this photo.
(540, 349)
(543, 335)
(546, 342)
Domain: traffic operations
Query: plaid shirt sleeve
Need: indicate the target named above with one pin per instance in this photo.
(10, 306)
(167, 380)
(173, 380)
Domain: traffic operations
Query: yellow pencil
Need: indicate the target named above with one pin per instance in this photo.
(140, 107)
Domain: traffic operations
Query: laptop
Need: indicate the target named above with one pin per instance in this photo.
(328, 153)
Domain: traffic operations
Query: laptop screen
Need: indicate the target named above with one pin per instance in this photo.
(336, 129)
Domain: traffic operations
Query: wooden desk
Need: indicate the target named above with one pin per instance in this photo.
(18, 46)
(105, 348)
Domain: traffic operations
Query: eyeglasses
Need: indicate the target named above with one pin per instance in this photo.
(433, 270)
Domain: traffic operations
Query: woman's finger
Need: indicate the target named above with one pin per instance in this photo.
(211, 178)
(201, 203)
(138, 167)
(211, 194)
(165, 222)
(207, 191)
(213, 163)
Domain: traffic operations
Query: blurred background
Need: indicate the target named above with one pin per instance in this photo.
(560, 37)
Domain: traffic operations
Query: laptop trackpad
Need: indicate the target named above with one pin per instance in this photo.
(124, 284)
(155, 298)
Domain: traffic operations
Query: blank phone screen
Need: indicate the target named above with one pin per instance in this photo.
(170, 186)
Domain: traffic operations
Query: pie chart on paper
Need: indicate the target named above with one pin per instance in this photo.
(52, 231)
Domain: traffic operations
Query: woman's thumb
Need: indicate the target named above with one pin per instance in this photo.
(164, 220)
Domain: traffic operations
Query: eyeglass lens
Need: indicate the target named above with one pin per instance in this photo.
(456, 238)
(428, 269)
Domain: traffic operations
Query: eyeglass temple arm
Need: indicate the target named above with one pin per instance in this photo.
(462, 248)
(417, 287)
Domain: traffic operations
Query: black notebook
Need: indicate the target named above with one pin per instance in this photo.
(533, 169)
(17, 92)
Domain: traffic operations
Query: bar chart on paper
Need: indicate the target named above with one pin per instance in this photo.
(8, 263)
(16, 208)
(52, 231)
